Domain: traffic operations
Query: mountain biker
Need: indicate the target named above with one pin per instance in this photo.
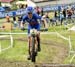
(32, 19)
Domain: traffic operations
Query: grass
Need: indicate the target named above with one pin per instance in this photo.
(20, 50)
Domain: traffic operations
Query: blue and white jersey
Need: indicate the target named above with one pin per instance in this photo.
(32, 21)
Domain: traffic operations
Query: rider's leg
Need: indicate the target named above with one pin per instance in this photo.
(29, 42)
(29, 46)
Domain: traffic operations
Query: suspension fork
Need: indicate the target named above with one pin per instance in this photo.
(30, 43)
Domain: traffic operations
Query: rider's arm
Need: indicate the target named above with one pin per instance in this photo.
(37, 16)
(42, 18)
(22, 24)
(23, 21)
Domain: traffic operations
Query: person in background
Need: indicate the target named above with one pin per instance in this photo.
(64, 14)
(19, 21)
(38, 10)
(14, 18)
(7, 18)
(42, 12)
(15, 22)
(46, 17)
(56, 17)
(26, 6)
(73, 10)
(61, 17)
(69, 13)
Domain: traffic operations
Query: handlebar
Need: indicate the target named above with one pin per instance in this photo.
(42, 29)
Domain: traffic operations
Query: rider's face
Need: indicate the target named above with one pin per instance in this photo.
(30, 15)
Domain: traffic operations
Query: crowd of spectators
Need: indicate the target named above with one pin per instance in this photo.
(60, 15)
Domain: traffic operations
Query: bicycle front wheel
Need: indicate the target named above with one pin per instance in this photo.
(33, 56)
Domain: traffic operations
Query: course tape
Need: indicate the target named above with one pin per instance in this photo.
(11, 40)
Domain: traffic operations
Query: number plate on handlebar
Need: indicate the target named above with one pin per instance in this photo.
(33, 31)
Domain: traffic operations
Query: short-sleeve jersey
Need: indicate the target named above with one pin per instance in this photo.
(32, 21)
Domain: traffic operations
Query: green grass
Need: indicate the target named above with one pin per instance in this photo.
(20, 50)
(15, 54)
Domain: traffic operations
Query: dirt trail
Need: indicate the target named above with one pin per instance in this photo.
(58, 59)
(62, 51)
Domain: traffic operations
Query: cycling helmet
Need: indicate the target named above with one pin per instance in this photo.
(30, 9)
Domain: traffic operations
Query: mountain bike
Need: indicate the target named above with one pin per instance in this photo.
(34, 44)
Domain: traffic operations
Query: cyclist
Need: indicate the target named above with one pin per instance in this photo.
(32, 19)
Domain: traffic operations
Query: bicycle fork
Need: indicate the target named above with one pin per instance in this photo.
(30, 45)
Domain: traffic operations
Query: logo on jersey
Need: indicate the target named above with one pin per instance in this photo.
(32, 22)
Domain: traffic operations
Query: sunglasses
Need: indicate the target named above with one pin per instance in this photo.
(29, 13)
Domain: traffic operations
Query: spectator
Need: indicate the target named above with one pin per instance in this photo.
(19, 21)
(73, 9)
(64, 13)
(22, 6)
(26, 6)
(61, 17)
(14, 18)
(15, 22)
(7, 18)
(69, 12)
(46, 17)
(55, 15)
(38, 10)
(42, 12)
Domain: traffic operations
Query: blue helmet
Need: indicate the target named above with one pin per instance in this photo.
(30, 9)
